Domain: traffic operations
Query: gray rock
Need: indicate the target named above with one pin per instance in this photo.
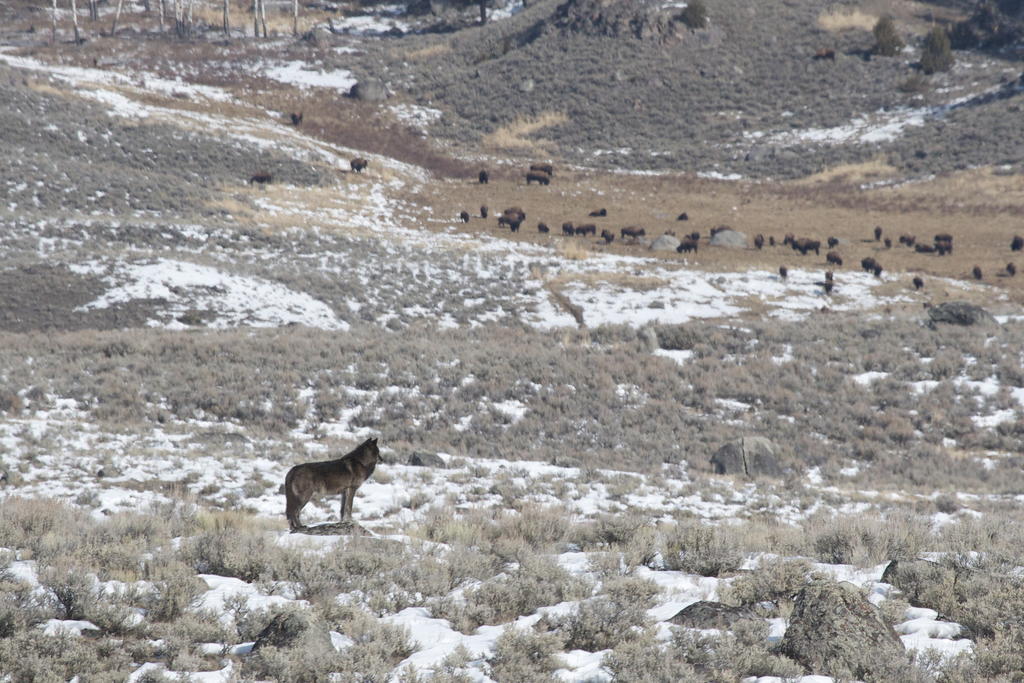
(295, 628)
(665, 243)
(729, 238)
(959, 313)
(834, 631)
(749, 455)
(705, 614)
(421, 459)
(369, 90)
(527, 86)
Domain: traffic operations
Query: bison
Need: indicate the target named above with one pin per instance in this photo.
(1011, 269)
(918, 282)
(687, 245)
(682, 217)
(877, 270)
(783, 272)
(607, 236)
(908, 240)
(568, 229)
(828, 285)
(598, 213)
(261, 178)
(588, 229)
(484, 177)
(825, 53)
(888, 243)
(771, 240)
(878, 233)
(832, 242)
(543, 168)
(833, 257)
(296, 119)
(1017, 243)
(788, 239)
(483, 211)
(538, 177)
(804, 245)
(759, 241)
(976, 272)
(632, 232)
(924, 249)
(464, 216)
(359, 164)
(868, 264)
(829, 276)
(514, 211)
(543, 227)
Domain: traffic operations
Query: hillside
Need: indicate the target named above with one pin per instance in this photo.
(600, 460)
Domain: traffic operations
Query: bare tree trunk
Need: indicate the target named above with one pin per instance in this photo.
(74, 20)
(53, 28)
(483, 11)
(94, 11)
(255, 18)
(263, 16)
(227, 19)
(117, 16)
(163, 11)
(295, 17)
(191, 4)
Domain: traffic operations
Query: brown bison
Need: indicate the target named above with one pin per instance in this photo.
(682, 217)
(944, 237)
(632, 232)
(832, 242)
(543, 227)
(829, 276)
(759, 241)
(598, 213)
(976, 272)
(1017, 243)
(543, 168)
(888, 243)
(464, 216)
(538, 177)
(359, 164)
(783, 272)
(607, 236)
(825, 53)
(908, 240)
(771, 240)
(687, 245)
(788, 239)
(829, 285)
(514, 211)
(568, 229)
(918, 282)
(1011, 269)
(261, 179)
(868, 264)
(924, 249)
(483, 211)
(804, 245)
(588, 229)
(878, 233)
(695, 236)
(296, 119)
(833, 257)
(484, 177)
(877, 270)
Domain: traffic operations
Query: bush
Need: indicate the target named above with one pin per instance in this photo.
(525, 655)
(697, 548)
(606, 621)
(695, 15)
(645, 659)
(887, 40)
(774, 580)
(937, 55)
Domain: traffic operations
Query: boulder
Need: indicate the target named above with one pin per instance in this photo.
(834, 631)
(729, 238)
(665, 243)
(749, 455)
(369, 90)
(959, 313)
(294, 628)
(619, 19)
(706, 614)
(421, 459)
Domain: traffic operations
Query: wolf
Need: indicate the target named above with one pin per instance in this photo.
(342, 475)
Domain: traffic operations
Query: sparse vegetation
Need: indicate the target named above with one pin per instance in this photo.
(694, 15)
(936, 55)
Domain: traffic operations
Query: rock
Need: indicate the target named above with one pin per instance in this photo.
(959, 313)
(369, 90)
(421, 459)
(618, 19)
(834, 631)
(749, 455)
(705, 614)
(527, 85)
(665, 243)
(567, 461)
(295, 628)
(729, 238)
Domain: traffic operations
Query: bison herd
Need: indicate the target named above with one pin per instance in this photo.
(941, 244)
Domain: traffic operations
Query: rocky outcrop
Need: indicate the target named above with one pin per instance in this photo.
(834, 631)
(369, 90)
(729, 238)
(422, 459)
(619, 19)
(665, 243)
(750, 456)
(959, 313)
(706, 614)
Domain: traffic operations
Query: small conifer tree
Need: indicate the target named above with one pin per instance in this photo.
(887, 40)
(937, 55)
(695, 15)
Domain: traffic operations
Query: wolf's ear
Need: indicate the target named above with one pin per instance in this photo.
(374, 440)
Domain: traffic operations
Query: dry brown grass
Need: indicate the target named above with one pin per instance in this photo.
(868, 171)
(428, 52)
(838, 20)
(514, 135)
